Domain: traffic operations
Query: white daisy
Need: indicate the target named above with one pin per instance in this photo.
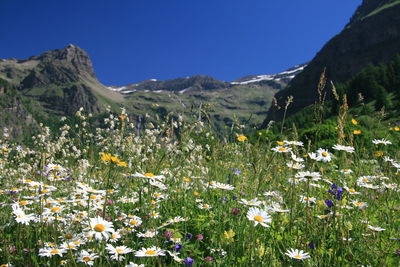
(323, 155)
(253, 202)
(100, 228)
(295, 158)
(376, 229)
(381, 141)
(131, 264)
(147, 234)
(297, 254)
(348, 149)
(50, 252)
(118, 252)
(259, 216)
(150, 252)
(359, 204)
(87, 258)
(295, 165)
(149, 175)
(281, 149)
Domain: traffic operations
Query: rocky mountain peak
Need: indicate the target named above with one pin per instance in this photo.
(71, 57)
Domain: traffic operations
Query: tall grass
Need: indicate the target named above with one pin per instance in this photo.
(190, 194)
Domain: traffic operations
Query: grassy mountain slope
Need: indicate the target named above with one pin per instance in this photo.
(372, 36)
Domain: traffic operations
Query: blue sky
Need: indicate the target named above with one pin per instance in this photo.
(133, 40)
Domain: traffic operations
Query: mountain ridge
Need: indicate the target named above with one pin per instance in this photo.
(373, 39)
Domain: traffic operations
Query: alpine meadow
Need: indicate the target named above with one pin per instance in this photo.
(296, 168)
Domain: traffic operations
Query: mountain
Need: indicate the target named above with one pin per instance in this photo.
(242, 100)
(371, 36)
(61, 80)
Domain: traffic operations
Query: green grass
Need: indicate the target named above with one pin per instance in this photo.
(210, 184)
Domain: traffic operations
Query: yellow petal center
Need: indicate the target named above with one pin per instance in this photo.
(258, 218)
(86, 259)
(150, 252)
(99, 227)
(55, 209)
(149, 174)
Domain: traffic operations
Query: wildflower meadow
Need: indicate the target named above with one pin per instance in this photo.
(177, 194)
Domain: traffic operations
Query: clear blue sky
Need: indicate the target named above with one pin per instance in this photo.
(133, 40)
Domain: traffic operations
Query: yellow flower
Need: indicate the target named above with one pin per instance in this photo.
(378, 153)
(122, 163)
(280, 143)
(228, 236)
(122, 117)
(396, 129)
(353, 121)
(357, 132)
(241, 138)
(259, 133)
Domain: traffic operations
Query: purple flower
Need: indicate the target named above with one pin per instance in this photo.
(236, 171)
(188, 236)
(311, 245)
(329, 203)
(178, 247)
(235, 211)
(199, 237)
(336, 191)
(188, 261)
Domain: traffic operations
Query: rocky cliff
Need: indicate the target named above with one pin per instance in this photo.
(372, 36)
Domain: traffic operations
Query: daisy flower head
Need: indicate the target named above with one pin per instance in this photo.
(259, 216)
(21, 216)
(296, 158)
(351, 191)
(348, 149)
(87, 258)
(359, 204)
(315, 176)
(346, 171)
(297, 254)
(118, 252)
(149, 175)
(308, 200)
(134, 221)
(323, 155)
(100, 228)
(381, 142)
(295, 165)
(376, 229)
(131, 264)
(148, 234)
(51, 251)
(150, 252)
(281, 149)
(253, 202)
(295, 143)
(204, 206)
